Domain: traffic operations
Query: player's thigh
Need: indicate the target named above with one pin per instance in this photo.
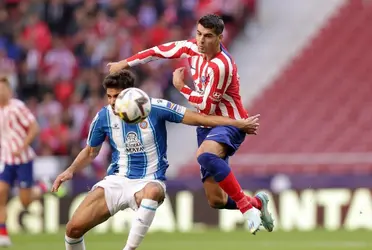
(222, 141)
(213, 142)
(213, 147)
(8, 175)
(215, 195)
(91, 212)
(25, 177)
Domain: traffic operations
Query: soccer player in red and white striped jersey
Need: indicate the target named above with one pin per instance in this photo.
(18, 128)
(216, 92)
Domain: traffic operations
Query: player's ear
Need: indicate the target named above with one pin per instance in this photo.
(220, 37)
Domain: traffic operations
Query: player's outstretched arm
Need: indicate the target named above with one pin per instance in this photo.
(84, 158)
(171, 50)
(249, 125)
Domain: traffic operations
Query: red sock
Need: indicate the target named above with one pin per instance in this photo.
(232, 187)
(3, 230)
(255, 202)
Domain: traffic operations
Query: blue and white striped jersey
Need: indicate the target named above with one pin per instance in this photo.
(138, 150)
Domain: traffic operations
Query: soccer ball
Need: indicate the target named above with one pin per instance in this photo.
(132, 105)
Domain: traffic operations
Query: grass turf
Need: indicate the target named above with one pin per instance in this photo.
(211, 239)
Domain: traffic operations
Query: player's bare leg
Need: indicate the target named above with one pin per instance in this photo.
(148, 200)
(28, 195)
(210, 156)
(4, 191)
(91, 212)
(217, 198)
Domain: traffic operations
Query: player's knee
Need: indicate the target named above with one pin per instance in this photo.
(74, 230)
(25, 201)
(205, 158)
(154, 192)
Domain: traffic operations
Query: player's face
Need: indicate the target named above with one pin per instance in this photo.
(5, 93)
(112, 94)
(208, 42)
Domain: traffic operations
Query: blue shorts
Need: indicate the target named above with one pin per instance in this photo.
(22, 173)
(228, 135)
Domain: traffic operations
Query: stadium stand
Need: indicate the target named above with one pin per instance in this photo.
(55, 55)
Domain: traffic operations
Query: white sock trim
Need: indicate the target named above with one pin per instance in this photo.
(149, 204)
(73, 241)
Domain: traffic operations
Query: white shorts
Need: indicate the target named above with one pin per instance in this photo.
(119, 191)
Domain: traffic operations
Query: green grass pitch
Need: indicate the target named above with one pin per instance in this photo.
(210, 239)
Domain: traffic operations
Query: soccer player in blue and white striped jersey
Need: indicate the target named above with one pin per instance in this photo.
(136, 175)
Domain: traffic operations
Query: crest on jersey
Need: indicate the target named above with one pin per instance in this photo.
(143, 125)
(216, 96)
(133, 144)
(203, 79)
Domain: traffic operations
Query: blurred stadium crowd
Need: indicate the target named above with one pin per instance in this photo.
(55, 54)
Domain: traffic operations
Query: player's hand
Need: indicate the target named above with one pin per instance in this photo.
(179, 78)
(18, 152)
(64, 176)
(117, 66)
(250, 125)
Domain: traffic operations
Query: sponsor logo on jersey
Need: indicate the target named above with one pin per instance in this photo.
(116, 126)
(133, 144)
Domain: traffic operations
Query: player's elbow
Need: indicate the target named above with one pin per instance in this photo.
(91, 153)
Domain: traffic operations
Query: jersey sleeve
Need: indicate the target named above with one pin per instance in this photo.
(216, 83)
(24, 115)
(178, 49)
(97, 133)
(168, 111)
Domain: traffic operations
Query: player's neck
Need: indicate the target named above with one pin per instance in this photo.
(210, 56)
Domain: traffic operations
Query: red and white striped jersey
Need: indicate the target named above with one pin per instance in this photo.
(15, 118)
(216, 81)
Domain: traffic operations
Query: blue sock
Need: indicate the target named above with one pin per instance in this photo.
(230, 204)
(214, 165)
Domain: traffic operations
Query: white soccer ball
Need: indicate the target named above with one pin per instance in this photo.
(133, 105)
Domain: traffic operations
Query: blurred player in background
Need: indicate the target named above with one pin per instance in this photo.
(216, 92)
(136, 174)
(18, 128)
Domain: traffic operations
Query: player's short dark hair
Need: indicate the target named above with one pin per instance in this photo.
(4, 80)
(122, 79)
(213, 22)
